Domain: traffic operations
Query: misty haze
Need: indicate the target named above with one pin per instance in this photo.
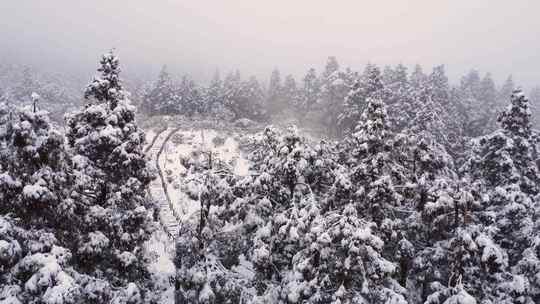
(261, 152)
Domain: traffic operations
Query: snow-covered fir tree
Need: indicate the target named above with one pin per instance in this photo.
(275, 99)
(535, 107)
(111, 177)
(505, 92)
(310, 92)
(368, 86)
(160, 98)
(43, 219)
(400, 107)
(291, 92)
(506, 181)
(188, 97)
(26, 87)
(107, 86)
(428, 192)
(245, 99)
(213, 97)
(335, 85)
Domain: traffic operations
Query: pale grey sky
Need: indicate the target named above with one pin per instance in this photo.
(255, 36)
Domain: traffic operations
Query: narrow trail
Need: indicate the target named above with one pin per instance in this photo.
(162, 243)
(168, 216)
(154, 140)
(175, 206)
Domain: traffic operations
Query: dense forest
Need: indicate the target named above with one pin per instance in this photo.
(373, 186)
(334, 99)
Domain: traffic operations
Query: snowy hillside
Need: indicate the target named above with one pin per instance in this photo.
(376, 187)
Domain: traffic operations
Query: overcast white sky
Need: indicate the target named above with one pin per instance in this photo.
(197, 36)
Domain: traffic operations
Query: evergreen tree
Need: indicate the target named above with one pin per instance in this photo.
(41, 218)
(516, 151)
(373, 168)
(488, 99)
(343, 263)
(309, 94)
(505, 92)
(291, 93)
(34, 185)
(535, 107)
(400, 106)
(474, 119)
(244, 98)
(160, 99)
(418, 78)
(28, 85)
(503, 168)
(331, 67)
(335, 85)
(208, 253)
(106, 87)
(368, 86)
(213, 97)
(436, 114)
(275, 99)
(111, 180)
(334, 88)
(188, 97)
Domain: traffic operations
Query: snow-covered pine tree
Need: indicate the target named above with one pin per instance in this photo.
(160, 99)
(418, 78)
(535, 107)
(505, 92)
(291, 93)
(307, 250)
(507, 156)
(305, 253)
(210, 248)
(431, 115)
(478, 104)
(3, 96)
(368, 86)
(447, 111)
(471, 110)
(378, 179)
(453, 295)
(394, 176)
(213, 97)
(188, 97)
(28, 85)
(506, 180)
(107, 86)
(275, 101)
(400, 107)
(35, 267)
(245, 99)
(111, 179)
(373, 168)
(39, 217)
(310, 92)
(341, 262)
(427, 179)
(329, 103)
(335, 84)
(488, 98)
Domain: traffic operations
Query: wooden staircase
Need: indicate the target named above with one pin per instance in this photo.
(168, 217)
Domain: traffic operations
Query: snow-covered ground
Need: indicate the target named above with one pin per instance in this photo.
(150, 134)
(162, 267)
(187, 143)
(183, 145)
(160, 246)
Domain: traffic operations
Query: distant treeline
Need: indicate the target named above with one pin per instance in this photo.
(334, 98)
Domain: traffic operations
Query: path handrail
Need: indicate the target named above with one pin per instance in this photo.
(160, 172)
